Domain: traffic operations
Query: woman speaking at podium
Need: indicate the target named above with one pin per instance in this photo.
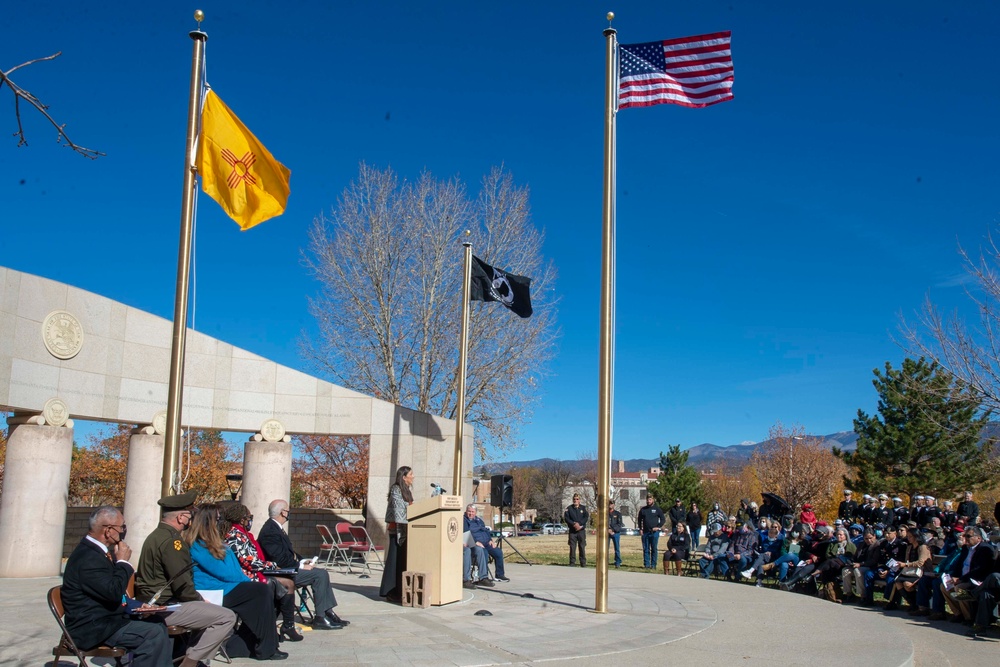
(400, 496)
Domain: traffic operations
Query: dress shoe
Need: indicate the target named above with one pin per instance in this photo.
(333, 618)
(485, 582)
(278, 655)
(324, 624)
(289, 632)
(468, 584)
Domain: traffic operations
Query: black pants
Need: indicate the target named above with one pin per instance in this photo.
(578, 541)
(253, 602)
(395, 565)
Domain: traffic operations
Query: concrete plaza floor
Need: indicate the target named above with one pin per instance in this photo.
(654, 619)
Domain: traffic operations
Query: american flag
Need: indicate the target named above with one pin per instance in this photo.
(689, 71)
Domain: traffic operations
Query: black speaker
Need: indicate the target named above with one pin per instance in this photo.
(502, 491)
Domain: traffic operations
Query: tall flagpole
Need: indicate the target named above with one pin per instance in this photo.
(463, 347)
(607, 322)
(175, 393)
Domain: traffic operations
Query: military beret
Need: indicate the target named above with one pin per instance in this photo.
(182, 501)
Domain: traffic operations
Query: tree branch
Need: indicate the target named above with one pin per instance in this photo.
(22, 94)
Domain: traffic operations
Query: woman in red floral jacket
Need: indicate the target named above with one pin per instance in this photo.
(251, 558)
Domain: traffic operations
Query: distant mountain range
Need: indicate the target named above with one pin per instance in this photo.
(704, 456)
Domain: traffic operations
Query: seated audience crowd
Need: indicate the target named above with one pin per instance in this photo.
(931, 559)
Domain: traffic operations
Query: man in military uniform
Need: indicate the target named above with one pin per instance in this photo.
(165, 572)
(848, 510)
(900, 513)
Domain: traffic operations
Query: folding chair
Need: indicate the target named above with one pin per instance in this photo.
(345, 544)
(363, 546)
(66, 645)
(305, 613)
(328, 543)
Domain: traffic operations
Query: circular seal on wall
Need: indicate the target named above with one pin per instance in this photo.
(452, 529)
(55, 412)
(272, 430)
(160, 422)
(62, 334)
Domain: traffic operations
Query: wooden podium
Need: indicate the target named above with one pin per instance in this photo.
(434, 534)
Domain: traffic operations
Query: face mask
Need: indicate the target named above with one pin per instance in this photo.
(119, 534)
(249, 524)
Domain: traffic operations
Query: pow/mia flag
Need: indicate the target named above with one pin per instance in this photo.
(491, 284)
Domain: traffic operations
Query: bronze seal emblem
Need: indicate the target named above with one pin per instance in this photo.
(452, 529)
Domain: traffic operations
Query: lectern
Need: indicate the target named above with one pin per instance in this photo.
(434, 533)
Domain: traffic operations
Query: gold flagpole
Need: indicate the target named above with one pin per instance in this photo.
(607, 322)
(463, 347)
(175, 393)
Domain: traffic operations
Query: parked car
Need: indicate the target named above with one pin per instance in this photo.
(525, 526)
(554, 529)
(630, 531)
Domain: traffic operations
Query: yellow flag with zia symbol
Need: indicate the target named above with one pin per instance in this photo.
(236, 170)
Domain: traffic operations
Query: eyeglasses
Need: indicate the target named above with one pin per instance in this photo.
(120, 529)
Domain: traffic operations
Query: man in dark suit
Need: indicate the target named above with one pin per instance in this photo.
(94, 595)
(277, 547)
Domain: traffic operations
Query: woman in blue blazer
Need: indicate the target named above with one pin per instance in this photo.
(216, 568)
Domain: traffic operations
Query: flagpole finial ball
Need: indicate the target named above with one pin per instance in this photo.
(468, 233)
(611, 16)
(199, 15)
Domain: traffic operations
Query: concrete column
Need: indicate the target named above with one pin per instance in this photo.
(142, 487)
(33, 507)
(267, 475)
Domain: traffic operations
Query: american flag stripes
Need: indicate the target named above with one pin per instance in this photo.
(689, 71)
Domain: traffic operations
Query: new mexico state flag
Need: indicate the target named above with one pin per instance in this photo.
(236, 170)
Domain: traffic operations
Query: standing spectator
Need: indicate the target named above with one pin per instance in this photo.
(694, 526)
(864, 511)
(931, 510)
(615, 526)
(715, 552)
(719, 517)
(882, 513)
(948, 515)
(848, 508)
(650, 520)
(917, 514)
(677, 549)
(807, 516)
(577, 517)
(968, 510)
(677, 514)
(900, 514)
(743, 513)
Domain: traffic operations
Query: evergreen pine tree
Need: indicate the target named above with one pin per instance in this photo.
(925, 439)
(677, 479)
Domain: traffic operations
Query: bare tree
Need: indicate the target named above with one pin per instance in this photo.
(553, 478)
(798, 467)
(22, 94)
(971, 354)
(390, 261)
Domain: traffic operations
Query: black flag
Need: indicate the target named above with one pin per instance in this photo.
(492, 284)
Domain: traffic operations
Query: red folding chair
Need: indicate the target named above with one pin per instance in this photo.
(345, 544)
(363, 546)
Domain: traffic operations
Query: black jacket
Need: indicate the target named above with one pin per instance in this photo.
(651, 518)
(981, 565)
(92, 592)
(694, 520)
(681, 542)
(968, 509)
(578, 515)
(847, 511)
(677, 513)
(615, 523)
(277, 545)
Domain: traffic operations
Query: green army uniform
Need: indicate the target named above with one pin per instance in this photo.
(163, 555)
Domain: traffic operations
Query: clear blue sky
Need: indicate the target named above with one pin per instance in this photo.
(766, 245)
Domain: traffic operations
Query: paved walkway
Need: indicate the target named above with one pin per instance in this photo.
(655, 619)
